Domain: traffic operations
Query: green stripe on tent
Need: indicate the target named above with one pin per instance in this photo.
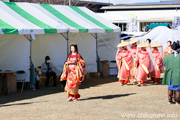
(64, 18)
(107, 29)
(8, 29)
(29, 17)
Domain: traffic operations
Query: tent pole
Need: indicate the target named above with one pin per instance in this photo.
(96, 37)
(69, 2)
(30, 49)
(30, 40)
(119, 36)
(32, 74)
(67, 43)
(67, 38)
(97, 56)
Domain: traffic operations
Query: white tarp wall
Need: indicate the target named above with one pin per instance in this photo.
(15, 52)
(87, 48)
(162, 35)
(53, 45)
(107, 45)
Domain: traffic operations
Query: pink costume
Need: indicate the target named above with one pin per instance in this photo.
(124, 63)
(143, 66)
(158, 64)
(133, 69)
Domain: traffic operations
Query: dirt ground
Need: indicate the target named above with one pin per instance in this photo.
(101, 99)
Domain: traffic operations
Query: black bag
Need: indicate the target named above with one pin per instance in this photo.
(174, 46)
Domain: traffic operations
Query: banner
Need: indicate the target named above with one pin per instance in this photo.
(132, 24)
(176, 22)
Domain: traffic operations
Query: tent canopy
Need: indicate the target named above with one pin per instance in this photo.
(28, 18)
(162, 35)
(18, 19)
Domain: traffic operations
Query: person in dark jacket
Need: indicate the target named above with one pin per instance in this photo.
(47, 69)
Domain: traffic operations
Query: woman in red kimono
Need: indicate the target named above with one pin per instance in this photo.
(124, 62)
(134, 51)
(158, 62)
(168, 50)
(143, 64)
(73, 72)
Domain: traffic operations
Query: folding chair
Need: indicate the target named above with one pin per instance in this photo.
(113, 68)
(22, 79)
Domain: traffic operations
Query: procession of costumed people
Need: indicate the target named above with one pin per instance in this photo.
(136, 61)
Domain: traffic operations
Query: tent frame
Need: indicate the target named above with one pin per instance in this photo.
(95, 35)
(66, 36)
(29, 37)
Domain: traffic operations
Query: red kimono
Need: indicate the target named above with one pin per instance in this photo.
(73, 73)
(158, 64)
(124, 63)
(143, 66)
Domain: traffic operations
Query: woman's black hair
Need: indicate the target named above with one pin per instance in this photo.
(76, 49)
(170, 42)
(75, 46)
(148, 40)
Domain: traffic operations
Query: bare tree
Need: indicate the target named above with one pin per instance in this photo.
(94, 6)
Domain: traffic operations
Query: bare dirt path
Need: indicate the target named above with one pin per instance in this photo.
(101, 99)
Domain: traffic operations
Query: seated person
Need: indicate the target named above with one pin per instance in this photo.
(47, 69)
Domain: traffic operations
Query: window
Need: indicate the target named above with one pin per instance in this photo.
(144, 25)
(123, 26)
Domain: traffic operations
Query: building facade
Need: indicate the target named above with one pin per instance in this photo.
(146, 14)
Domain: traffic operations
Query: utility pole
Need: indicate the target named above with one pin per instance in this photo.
(69, 2)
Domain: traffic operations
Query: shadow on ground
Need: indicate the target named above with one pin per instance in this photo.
(19, 104)
(28, 94)
(108, 96)
(95, 81)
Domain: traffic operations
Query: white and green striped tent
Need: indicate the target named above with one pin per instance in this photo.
(50, 24)
(23, 18)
